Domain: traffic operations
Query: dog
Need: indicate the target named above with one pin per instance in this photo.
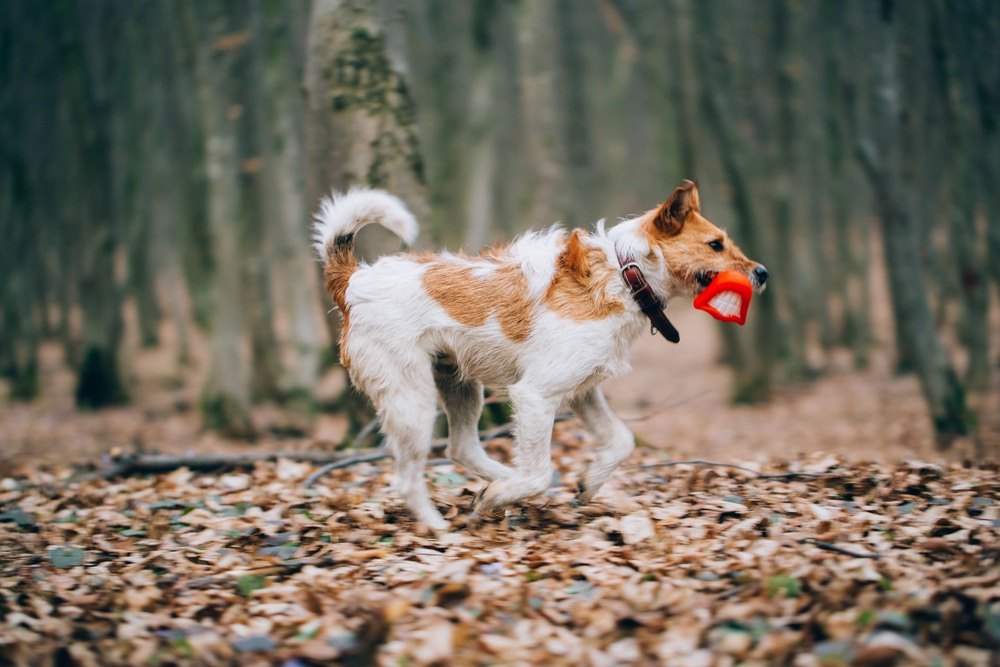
(543, 319)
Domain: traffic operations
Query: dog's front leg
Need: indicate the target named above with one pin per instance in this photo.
(616, 441)
(534, 414)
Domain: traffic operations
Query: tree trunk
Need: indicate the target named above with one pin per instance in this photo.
(265, 363)
(754, 369)
(361, 117)
(283, 167)
(480, 198)
(218, 32)
(784, 167)
(879, 154)
(84, 74)
(967, 253)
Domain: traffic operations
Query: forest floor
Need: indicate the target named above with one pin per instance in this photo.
(869, 546)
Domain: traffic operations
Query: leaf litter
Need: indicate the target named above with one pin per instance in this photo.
(685, 564)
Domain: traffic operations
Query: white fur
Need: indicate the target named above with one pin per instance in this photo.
(406, 353)
(343, 214)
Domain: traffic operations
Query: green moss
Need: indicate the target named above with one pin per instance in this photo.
(362, 78)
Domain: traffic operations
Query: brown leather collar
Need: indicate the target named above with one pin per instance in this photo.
(644, 295)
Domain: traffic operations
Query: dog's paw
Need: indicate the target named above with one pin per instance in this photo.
(484, 504)
(585, 492)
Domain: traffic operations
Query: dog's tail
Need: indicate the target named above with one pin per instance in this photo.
(340, 216)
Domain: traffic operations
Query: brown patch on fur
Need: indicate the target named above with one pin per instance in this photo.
(679, 231)
(577, 290)
(341, 263)
(471, 300)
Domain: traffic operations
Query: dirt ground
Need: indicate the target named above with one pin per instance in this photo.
(675, 399)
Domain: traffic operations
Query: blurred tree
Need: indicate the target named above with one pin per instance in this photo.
(217, 34)
(162, 159)
(880, 151)
(284, 198)
(18, 331)
(85, 69)
(755, 360)
(362, 124)
(968, 255)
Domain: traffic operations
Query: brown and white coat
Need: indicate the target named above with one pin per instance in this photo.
(544, 319)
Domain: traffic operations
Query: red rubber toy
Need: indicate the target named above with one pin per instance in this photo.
(727, 298)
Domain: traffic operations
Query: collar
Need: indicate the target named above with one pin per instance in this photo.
(646, 298)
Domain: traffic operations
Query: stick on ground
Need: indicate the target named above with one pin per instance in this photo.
(751, 471)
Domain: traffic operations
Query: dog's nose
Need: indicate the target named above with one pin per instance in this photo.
(760, 273)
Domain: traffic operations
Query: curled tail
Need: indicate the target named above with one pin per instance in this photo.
(339, 217)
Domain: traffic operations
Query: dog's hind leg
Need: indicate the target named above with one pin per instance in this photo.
(616, 441)
(407, 412)
(463, 403)
(534, 413)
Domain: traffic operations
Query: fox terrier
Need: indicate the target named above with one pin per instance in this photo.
(543, 319)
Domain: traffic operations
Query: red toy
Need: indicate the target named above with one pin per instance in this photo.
(727, 298)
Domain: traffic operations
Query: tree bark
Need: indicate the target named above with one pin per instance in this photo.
(218, 32)
(967, 254)
(754, 369)
(361, 120)
(879, 154)
(283, 167)
(84, 73)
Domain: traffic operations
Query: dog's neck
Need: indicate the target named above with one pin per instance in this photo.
(628, 240)
(645, 297)
(625, 244)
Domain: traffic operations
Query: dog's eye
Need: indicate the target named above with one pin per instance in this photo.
(715, 245)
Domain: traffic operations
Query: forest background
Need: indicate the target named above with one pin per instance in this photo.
(159, 162)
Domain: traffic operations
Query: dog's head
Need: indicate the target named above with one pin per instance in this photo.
(694, 250)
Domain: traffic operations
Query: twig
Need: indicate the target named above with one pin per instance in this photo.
(665, 408)
(367, 430)
(713, 464)
(830, 546)
(370, 457)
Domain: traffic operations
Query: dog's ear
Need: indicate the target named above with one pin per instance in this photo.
(674, 212)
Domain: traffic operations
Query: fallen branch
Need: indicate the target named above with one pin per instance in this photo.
(139, 464)
(713, 464)
(830, 546)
